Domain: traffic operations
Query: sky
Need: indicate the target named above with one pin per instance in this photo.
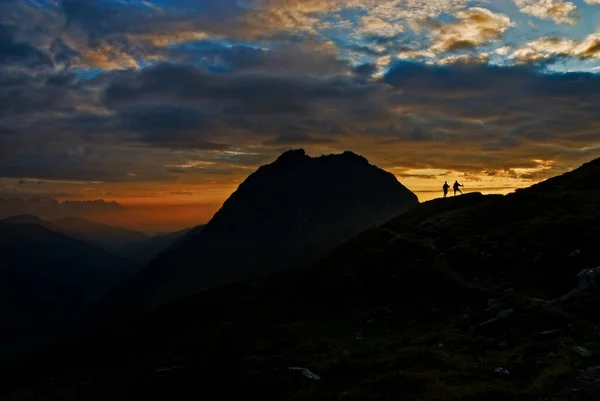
(166, 106)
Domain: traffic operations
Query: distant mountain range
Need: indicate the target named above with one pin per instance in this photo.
(51, 272)
(112, 238)
(51, 209)
(471, 297)
(282, 216)
(134, 245)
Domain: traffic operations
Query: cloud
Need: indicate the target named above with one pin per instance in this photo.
(473, 27)
(589, 47)
(271, 16)
(559, 11)
(171, 126)
(304, 57)
(23, 93)
(479, 117)
(465, 59)
(13, 51)
(413, 13)
(112, 34)
(109, 57)
(543, 49)
(510, 115)
(244, 107)
(374, 26)
(548, 49)
(384, 18)
(163, 39)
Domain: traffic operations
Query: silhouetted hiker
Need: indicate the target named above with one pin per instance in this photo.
(456, 187)
(446, 187)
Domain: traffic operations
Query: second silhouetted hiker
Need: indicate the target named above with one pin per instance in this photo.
(456, 187)
(446, 187)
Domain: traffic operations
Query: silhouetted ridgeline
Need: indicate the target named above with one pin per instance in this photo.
(455, 299)
(53, 209)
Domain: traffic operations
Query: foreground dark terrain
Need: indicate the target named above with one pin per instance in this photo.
(466, 298)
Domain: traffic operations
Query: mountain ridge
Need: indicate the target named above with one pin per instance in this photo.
(109, 237)
(456, 299)
(119, 241)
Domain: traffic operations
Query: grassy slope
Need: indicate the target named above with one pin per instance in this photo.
(393, 314)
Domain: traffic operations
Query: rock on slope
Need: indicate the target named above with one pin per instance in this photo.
(427, 306)
(284, 215)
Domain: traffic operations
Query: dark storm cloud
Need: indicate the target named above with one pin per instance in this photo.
(112, 18)
(493, 93)
(479, 117)
(365, 70)
(291, 57)
(513, 115)
(13, 51)
(84, 162)
(23, 93)
(170, 126)
(499, 116)
(63, 53)
(99, 17)
(205, 106)
(252, 92)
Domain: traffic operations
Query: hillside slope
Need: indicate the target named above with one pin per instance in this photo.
(47, 280)
(456, 299)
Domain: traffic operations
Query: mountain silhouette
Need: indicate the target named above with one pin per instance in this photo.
(50, 209)
(131, 244)
(115, 239)
(282, 216)
(31, 219)
(47, 280)
(467, 298)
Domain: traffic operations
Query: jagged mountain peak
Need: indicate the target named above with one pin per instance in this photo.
(313, 187)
